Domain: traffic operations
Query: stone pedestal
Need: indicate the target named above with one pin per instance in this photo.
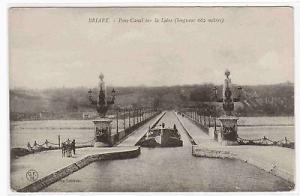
(228, 133)
(102, 132)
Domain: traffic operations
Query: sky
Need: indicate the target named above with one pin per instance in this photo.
(59, 47)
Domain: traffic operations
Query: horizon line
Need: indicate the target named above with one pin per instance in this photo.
(143, 86)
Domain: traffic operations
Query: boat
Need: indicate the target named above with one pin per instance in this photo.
(162, 136)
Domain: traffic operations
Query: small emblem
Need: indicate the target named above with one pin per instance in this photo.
(32, 175)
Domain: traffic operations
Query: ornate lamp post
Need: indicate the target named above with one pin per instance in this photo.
(228, 133)
(102, 104)
(102, 123)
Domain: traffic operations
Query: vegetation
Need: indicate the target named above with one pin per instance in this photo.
(271, 100)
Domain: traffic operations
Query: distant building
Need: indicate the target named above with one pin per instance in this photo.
(88, 115)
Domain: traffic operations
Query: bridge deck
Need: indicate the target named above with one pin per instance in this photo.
(198, 135)
(135, 136)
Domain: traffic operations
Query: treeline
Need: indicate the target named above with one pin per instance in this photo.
(256, 100)
(260, 100)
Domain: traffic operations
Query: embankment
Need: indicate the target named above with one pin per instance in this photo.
(62, 173)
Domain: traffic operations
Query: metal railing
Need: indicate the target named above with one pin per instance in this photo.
(127, 119)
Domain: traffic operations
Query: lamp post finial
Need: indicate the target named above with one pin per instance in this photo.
(101, 76)
(227, 73)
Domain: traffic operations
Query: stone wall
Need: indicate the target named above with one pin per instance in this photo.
(58, 175)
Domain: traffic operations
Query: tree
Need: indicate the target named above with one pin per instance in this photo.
(72, 105)
(202, 93)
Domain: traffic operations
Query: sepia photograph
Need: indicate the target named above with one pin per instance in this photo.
(151, 99)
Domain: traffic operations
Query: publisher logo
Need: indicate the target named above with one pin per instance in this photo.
(32, 175)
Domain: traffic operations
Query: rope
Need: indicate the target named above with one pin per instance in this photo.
(51, 143)
(249, 139)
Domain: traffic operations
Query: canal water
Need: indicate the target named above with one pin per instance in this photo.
(170, 169)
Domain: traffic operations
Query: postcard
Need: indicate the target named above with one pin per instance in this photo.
(151, 99)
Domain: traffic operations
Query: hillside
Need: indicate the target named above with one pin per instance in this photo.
(271, 100)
